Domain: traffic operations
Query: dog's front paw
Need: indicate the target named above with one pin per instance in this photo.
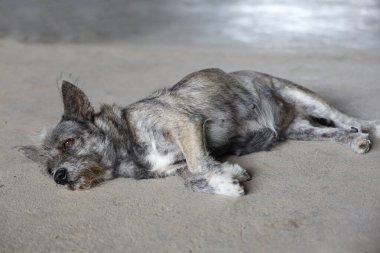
(227, 181)
(216, 183)
(361, 144)
(224, 184)
(236, 172)
(221, 179)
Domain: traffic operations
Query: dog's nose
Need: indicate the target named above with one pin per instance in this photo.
(60, 177)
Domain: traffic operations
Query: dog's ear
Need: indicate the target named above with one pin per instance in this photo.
(38, 154)
(75, 103)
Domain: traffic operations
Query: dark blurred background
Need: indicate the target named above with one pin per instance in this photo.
(293, 24)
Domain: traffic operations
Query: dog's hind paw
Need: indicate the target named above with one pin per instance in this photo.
(361, 144)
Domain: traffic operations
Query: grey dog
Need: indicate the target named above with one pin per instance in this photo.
(184, 129)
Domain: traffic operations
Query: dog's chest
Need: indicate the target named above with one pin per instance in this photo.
(160, 159)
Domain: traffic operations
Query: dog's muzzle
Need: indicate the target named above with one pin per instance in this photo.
(60, 177)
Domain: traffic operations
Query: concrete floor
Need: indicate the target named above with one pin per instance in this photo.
(305, 196)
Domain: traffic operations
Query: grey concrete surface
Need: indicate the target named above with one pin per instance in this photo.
(305, 196)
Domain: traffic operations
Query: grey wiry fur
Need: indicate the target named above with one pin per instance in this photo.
(181, 130)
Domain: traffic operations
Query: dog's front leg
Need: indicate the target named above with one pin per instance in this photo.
(204, 174)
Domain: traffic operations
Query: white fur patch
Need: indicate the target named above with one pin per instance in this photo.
(224, 184)
(300, 97)
(317, 106)
(159, 162)
(227, 183)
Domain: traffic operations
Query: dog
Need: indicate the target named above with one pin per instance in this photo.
(185, 129)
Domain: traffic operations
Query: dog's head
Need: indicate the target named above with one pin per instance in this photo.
(76, 153)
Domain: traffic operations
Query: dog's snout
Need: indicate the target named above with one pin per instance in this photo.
(60, 177)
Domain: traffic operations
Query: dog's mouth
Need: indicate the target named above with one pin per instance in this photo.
(82, 185)
(89, 178)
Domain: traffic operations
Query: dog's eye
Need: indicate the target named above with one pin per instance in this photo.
(68, 144)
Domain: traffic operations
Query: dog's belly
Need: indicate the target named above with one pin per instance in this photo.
(224, 140)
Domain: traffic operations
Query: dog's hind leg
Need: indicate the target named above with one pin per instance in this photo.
(302, 129)
(310, 104)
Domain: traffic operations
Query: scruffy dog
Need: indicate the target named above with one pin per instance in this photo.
(183, 129)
